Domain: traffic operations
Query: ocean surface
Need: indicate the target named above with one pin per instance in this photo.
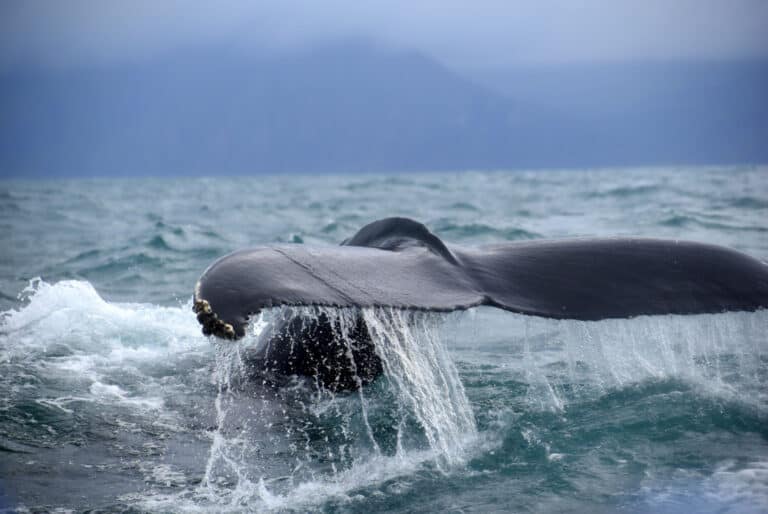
(112, 400)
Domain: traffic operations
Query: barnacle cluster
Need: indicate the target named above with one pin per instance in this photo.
(211, 322)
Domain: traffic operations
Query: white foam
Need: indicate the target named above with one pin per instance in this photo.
(744, 487)
(257, 495)
(111, 392)
(66, 330)
(163, 474)
(733, 488)
(73, 312)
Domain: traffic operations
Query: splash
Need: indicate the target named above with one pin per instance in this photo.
(337, 442)
(73, 346)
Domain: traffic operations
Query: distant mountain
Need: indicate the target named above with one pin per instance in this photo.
(339, 108)
(361, 108)
(649, 112)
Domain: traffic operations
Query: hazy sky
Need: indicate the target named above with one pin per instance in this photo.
(492, 34)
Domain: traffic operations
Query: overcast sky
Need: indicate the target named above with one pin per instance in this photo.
(479, 34)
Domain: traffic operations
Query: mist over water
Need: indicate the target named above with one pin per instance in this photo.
(111, 398)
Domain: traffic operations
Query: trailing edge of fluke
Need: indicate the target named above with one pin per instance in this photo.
(398, 262)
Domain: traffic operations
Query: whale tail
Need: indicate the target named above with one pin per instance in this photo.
(399, 263)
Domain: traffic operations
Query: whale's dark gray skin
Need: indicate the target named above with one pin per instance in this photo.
(398, 262)
(310, 346)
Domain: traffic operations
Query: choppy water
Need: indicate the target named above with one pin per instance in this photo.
(111, 398)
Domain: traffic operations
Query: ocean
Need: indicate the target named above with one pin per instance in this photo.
(112, 400)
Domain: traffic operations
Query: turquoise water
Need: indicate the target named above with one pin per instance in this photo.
(112, 399)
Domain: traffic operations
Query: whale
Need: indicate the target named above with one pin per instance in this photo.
(399, 263)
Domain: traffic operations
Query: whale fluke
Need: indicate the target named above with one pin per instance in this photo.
(398, 262)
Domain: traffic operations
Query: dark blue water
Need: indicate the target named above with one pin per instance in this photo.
(111, 398)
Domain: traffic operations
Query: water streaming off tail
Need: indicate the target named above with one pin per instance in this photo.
(418, 366)
(416, 414)
(561, 362)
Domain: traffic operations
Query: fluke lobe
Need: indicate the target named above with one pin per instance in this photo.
(398, 262)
